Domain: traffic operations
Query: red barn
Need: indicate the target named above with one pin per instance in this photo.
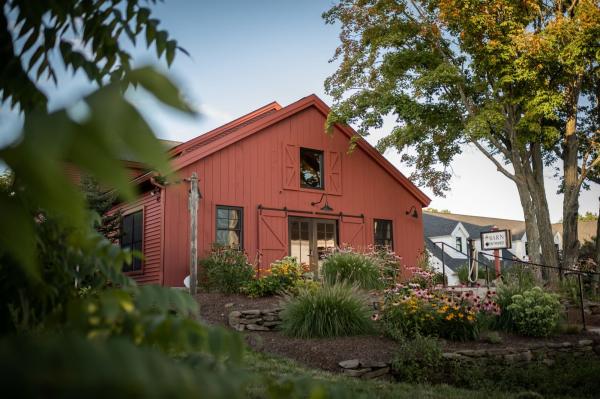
(275, 184)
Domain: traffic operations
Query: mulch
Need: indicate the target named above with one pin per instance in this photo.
(325, 353)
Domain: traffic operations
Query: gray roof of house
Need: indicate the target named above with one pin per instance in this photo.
(435, 226)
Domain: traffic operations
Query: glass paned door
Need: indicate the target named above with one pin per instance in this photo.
(311, 239)
(300, 240)
(326, 240)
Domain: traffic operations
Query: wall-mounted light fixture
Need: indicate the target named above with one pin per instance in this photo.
(413, 212)
(325, 207)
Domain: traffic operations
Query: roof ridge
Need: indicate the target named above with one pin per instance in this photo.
(226, 128)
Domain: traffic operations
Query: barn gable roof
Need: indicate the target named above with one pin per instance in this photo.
(226, 135)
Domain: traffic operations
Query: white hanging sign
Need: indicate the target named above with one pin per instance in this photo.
(496, 239)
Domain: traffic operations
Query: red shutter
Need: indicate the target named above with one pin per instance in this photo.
(272, 236)
(352, 232)
(291, 167)
(333, 183)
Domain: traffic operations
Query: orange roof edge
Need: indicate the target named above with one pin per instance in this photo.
(282, 113)
(274, 105)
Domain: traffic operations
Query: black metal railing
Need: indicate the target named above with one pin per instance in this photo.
(563, 271)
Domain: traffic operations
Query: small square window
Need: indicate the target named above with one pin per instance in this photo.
(229, 227)
(384, 237)
(311, 168)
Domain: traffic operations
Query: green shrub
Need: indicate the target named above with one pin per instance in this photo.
(329, 311)
(535, 312)
(446, 314)
(353, 268)
(463, 274)
(226, 270)
(283, 275)
(417, 359)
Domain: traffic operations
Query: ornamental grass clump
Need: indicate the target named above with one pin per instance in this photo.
(353, 268)
(535, 313)
(329, 311)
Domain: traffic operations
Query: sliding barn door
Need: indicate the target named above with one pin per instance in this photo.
(353, 232)
(272, 237)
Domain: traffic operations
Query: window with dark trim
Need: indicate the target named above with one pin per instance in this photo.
(230, 227)
(311, 168)
(384, 236)
(132, 232)
(459, 247)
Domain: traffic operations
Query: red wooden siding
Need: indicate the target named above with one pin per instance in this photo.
(151, 205)
(263, 169)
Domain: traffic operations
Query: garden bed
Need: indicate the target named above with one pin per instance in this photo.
(322, 353)
(326, 353)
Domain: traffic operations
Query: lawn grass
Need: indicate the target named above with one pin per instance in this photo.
(281, 368)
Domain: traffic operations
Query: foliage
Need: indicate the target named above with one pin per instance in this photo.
(226, 270)
(568, 377)
(67, 271)
(70, 366)
(82, 36)
(389, 263)
(353, 268)
(91, 144)
(101, 201)
(287, 371)
(408, 312)
(589, 216)
(535, 312)
(415, 358)
(330, 311)
(509, 78)
(463, 274)
(283, 275)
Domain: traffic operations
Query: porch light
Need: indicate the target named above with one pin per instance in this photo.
(412, 211)
(325, 207)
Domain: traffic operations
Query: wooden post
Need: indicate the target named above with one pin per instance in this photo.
(497, 259)
(193, 207)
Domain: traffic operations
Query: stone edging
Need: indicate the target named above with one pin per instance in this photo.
(255, 319)
(544, 352)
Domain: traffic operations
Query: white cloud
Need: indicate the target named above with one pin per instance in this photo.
(215, 113)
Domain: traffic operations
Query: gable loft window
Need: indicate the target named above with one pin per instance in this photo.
(383, 234)
(132, 237)
(459, 247)
(230, 226)
(311, 168)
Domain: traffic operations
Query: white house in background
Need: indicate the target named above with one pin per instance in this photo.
(447, 233)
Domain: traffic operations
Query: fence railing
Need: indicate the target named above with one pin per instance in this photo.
(563, 271)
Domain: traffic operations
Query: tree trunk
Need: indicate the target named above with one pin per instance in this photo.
(536, 180)
(571, 181)
(531, 229)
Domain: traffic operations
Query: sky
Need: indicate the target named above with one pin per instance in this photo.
(245, 54)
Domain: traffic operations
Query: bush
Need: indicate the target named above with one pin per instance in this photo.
(535, 312)
(226, 270)
(412, 312)
(417, 359)
(352, 268)
(463, 274)
(329, 311)
(284, 274)
(389, 263)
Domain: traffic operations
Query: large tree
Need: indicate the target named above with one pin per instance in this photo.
(455, 72)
